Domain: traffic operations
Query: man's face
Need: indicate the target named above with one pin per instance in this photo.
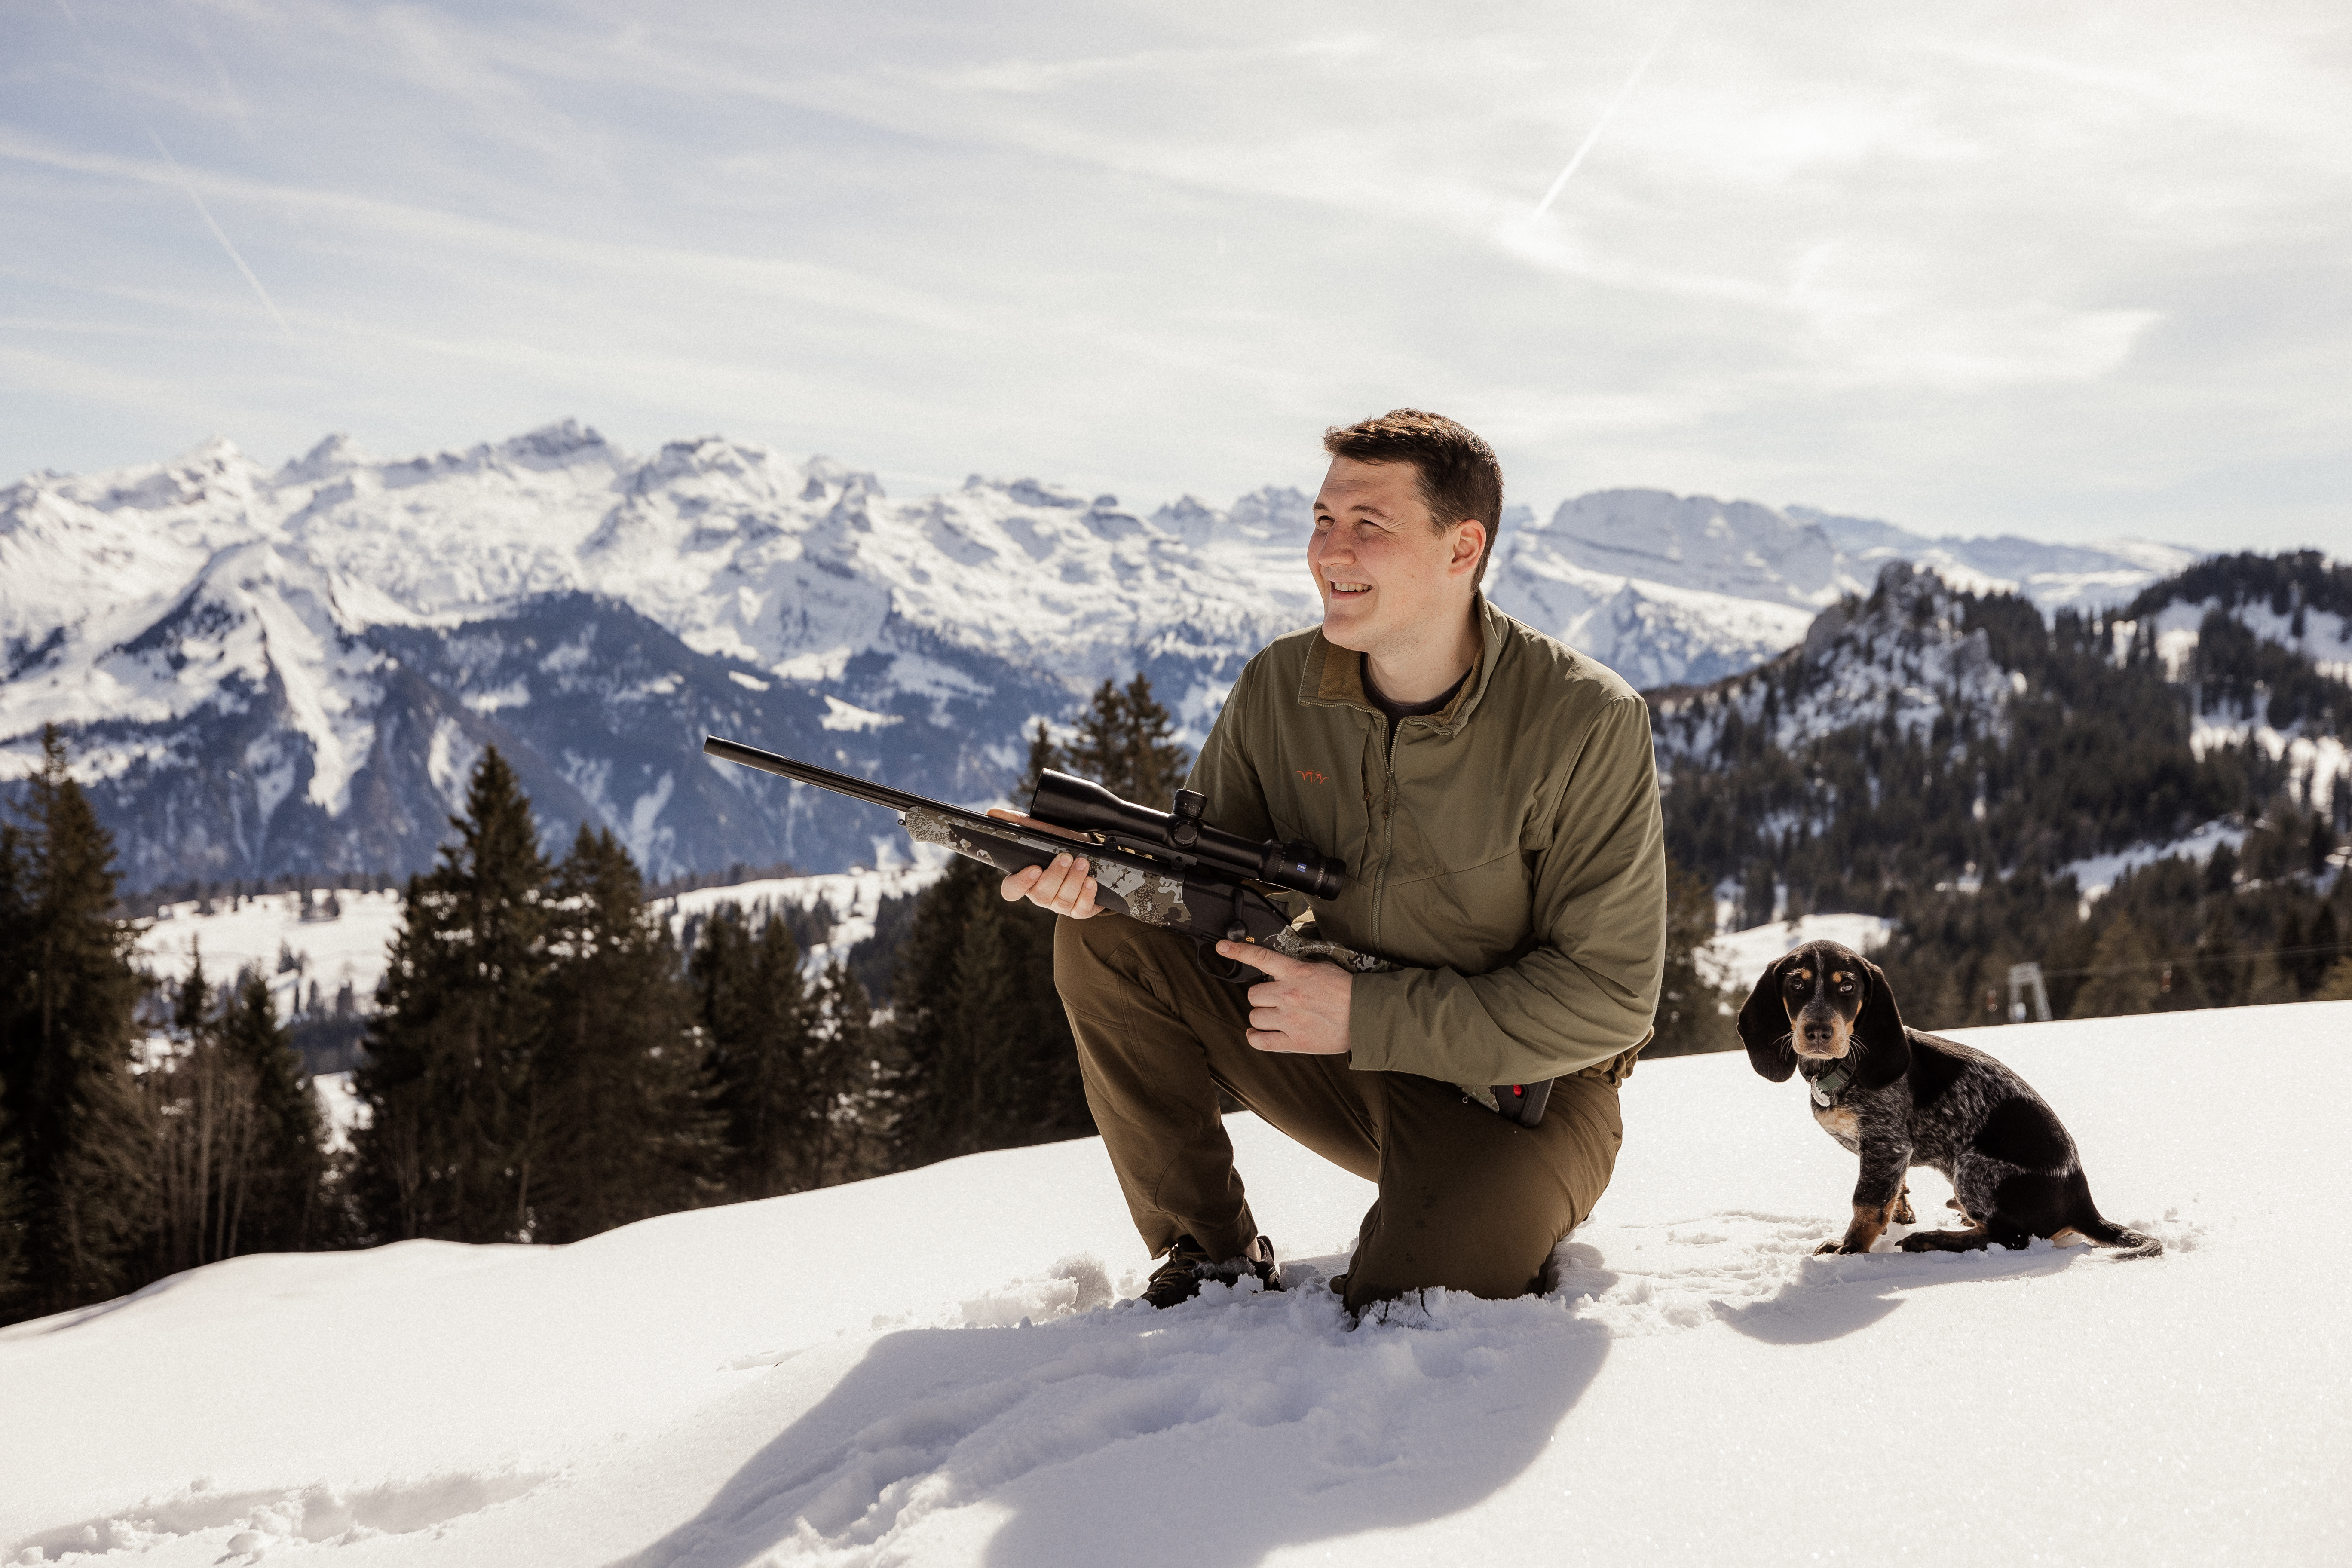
(1384, 573)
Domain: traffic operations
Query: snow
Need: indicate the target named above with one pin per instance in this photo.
(152, 592)
(843, 1376)
(1733, 960)
(1901, 658)
(2104, 573)
(331, 951)
(2094, 876)
(340, 1106)
(855, 896)
(2314, 763)
(353, 948)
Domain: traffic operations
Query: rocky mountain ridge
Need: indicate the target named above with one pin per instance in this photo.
(267, 671)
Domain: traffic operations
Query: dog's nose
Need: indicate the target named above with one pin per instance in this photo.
(1817, 1033)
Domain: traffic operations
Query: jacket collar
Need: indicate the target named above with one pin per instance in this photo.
(1334, 676)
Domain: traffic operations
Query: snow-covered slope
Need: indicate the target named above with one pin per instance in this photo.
(2055, 577)
(932, 1368)
(297, 946)
(1901, 656)
(291, 670)
(329, 950)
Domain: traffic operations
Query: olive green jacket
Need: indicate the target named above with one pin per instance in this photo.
(1507, 849)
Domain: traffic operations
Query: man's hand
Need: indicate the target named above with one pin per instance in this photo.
(1063, 885)
(1300, 1008)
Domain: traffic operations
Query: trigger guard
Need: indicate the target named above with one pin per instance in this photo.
(1217, 966)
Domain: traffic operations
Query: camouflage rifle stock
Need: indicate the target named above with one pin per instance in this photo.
(1165, 868)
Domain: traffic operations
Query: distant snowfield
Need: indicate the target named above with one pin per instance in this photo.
(354, 947)
(2096, 876)
(844, 1377)
(855, 898)
(1734, 959)
(351, 948)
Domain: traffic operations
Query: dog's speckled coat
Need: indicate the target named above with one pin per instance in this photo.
(1899, 1098)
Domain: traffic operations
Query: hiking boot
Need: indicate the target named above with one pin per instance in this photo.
(1188, 1264)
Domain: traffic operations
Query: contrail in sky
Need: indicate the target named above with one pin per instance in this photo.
(205, 213)
(181, 176)
(1602, 124)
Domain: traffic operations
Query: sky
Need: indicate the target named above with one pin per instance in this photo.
(2067, 271)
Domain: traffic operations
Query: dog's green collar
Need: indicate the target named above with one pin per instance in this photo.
(1826, 1086)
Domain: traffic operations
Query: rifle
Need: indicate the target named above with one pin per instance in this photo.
(1166, 869)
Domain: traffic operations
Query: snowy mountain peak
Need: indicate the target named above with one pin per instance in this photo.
(371, 623)
(1901, 656)
(2053, 577)
(1738, 548)
(336, 454)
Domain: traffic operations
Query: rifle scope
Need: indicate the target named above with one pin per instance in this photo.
(1069, 802)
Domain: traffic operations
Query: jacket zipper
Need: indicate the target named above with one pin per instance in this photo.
(1387, 828)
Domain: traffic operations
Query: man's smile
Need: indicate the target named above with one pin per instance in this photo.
(1351, 587)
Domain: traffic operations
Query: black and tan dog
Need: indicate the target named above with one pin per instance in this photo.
(1899, 1099)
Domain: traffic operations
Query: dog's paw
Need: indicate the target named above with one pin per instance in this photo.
(1902, 1214)
(1919, 1242)
(1837, 1249)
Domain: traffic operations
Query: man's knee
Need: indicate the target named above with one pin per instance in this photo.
(1470, 1203)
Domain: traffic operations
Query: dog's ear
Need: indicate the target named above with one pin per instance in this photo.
(1764, 1027)
(1879, 1030)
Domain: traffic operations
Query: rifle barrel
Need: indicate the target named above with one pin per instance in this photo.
(823, 778)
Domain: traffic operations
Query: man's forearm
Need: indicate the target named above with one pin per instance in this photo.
(1545, 1016)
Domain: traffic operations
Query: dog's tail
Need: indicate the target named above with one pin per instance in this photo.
(2101, 1232)
(2133, 1243)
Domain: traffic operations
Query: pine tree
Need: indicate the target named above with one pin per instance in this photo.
(1691, 1015)
(281, 1211)
(835, 1068)
(2320, 944)
(2221, 965)
(1097, 751)
(2124, 978)
(1043, 754)
(82, 1131)
(446, 1151)
(239, 1154)
(990, 1060)
(754, 1012)
(1125, 743)
(2267, 983)
(13, 1207)
(871, 1111)
(619, 1128)
(936, 1090)
(1154, 764)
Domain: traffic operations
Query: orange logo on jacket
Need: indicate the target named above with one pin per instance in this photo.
(1311, 776)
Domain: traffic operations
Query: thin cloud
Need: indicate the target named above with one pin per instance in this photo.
(1976, 267)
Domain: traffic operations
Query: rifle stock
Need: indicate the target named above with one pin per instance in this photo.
(1171, 889)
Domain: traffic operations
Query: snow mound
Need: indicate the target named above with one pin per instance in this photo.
(941, 1368)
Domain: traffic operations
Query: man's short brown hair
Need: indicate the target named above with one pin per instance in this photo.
(1459, 476)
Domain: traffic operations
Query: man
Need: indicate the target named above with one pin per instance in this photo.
(1493, 796)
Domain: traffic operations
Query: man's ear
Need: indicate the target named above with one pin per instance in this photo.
(1474, 542)
(1878, 1029)
(1764, 1027)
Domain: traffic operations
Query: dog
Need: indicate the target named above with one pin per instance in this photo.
(1899, 1098)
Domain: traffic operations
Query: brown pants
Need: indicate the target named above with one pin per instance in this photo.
(1467, 1200)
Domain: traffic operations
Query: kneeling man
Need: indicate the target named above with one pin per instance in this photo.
(1493, 796)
